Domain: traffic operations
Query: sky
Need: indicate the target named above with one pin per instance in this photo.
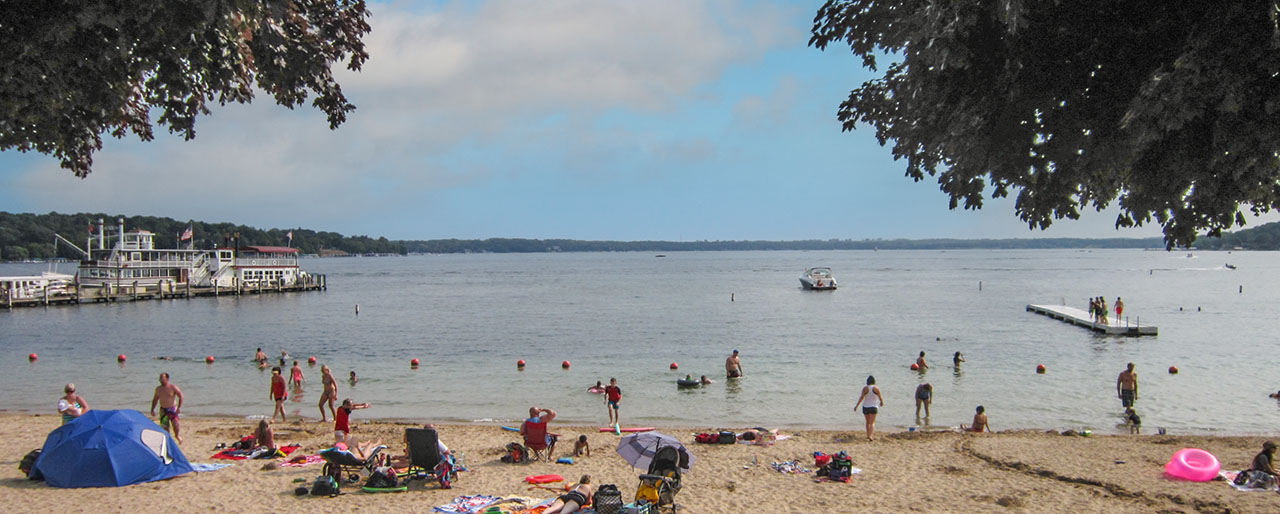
(578, 119)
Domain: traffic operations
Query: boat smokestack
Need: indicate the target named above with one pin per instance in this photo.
(121, 223)
(102, 238)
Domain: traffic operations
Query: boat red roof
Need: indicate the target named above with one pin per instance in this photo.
(269, 249)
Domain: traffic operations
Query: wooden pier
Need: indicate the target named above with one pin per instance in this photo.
(1082, 318)
(132, 292)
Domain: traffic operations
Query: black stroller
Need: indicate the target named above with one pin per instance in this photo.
(660, 485)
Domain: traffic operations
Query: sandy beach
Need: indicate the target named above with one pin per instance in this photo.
(1015, 471)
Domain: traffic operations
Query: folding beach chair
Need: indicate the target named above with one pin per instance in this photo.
(337, 462)
(425, 459)
(537, 439)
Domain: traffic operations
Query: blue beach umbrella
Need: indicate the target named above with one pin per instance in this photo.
(109, 448)
(638, 449)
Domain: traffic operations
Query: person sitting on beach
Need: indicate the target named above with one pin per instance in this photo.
(1131, 418)
(72, 405)
(979, 422)
(1265, 460)
(539, 416)
(265, 436)
(341, 420)
(704, 380)
(581, 447)
(402, 461)
(579, 495)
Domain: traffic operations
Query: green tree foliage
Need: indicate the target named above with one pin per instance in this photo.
(30, 236)
(72, 70)
(1262, 237)
(1172, 109)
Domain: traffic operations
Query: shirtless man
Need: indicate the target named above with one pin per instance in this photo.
(920, 362)
(1127, 386)
(170, 399)
(330, 392)
(733, 366)
(260, 357)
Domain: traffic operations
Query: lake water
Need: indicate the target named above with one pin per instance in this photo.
(806, 355)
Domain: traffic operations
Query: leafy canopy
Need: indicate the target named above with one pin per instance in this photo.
(72, 70)
(1168, 108)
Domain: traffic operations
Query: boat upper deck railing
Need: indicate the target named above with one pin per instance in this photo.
(284, 261)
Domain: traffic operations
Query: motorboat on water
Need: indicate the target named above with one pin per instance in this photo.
(818, 279)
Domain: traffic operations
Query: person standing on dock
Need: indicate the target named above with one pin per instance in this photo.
(1127, 386)
(733, 366)
(330, 393)
(170, 399)
(1102, 310)
(1119, 308)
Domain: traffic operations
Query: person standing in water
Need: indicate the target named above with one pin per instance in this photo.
(277, 393)
(330, 393)
(295, 375)
(920, 362)
(924, 396)
(733, 366)
(957, 359)
(612, 395)
(871, 401)
(1127, 386)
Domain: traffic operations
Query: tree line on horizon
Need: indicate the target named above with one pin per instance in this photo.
(30, 236)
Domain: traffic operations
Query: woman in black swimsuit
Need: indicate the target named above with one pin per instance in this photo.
(924, 396)
(572, 501)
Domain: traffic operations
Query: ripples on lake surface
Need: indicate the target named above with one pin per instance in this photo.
(469, 318)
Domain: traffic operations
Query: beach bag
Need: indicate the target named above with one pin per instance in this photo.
(382, 478)
(515, 453)
(706, 438)
(28, 462)
(728, 437)
(821, 459)
(325, 485)
(608, 500)
(841, 467)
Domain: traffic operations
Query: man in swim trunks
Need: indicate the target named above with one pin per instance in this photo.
(1127, 386)
(733, 366)
(330, 393)
(170, 399)
(260, 357)
(612, 395)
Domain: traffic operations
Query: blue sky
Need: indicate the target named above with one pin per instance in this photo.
(682, 120)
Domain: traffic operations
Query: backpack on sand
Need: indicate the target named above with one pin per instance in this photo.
(325, 485)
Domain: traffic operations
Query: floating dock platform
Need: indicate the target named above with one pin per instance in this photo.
(1082, 318)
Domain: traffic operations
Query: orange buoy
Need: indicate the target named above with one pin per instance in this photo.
(675, 366)
(520, 363)
(33, 357)
(414, 362)
(914, 366)
(209, 359)
(1040, 369)
(311, 359)
(120, 358)
(1173, 370)
(565, 364)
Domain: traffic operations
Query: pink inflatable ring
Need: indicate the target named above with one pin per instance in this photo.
(1193, 464)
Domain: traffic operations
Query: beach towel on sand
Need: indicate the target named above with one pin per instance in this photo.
(244, 454)
(201, 467)
(311, 459)
(467, 504)
(1230, 477)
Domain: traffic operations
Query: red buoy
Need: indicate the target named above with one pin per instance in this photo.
(33, 357)
(1173, 370)
(914, 366)
(565, 364)
(311, 359)
(1040, 369)
(675, 366)
(209, 359)
(414, 362)
(520, 363)
(120, 358)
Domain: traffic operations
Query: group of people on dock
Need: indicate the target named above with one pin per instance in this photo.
(1098, 309)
